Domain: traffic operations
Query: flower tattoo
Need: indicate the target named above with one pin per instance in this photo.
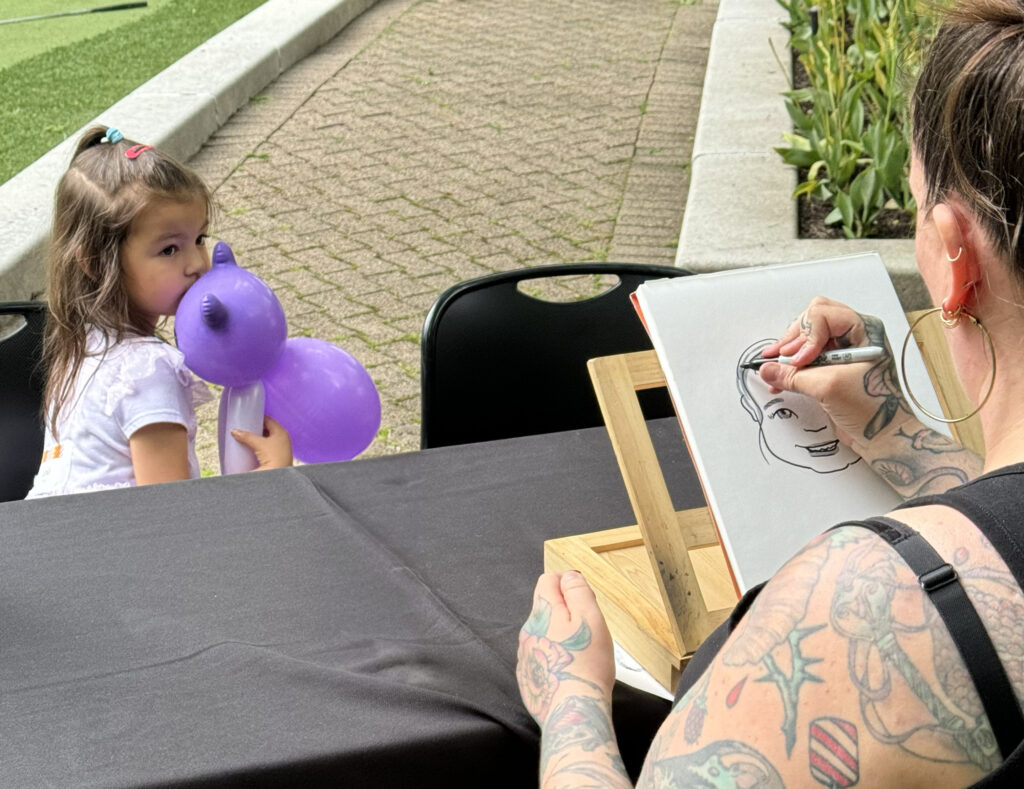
(542, 662)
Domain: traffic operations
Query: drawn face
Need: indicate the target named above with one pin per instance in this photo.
(796, 430)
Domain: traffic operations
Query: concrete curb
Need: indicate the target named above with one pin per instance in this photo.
(737, 178)
(177, 110)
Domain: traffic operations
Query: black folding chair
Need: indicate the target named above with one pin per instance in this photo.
(21, 397)
(497, 363)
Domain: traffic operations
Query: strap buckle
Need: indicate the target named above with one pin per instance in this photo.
(937, 578)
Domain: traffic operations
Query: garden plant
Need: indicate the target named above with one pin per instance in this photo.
(853, 64)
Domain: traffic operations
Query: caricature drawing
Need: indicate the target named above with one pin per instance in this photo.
(791, 427)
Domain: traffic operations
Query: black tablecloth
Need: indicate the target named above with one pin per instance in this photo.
(352, 623)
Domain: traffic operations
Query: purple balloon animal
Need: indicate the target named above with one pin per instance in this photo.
(231, 328)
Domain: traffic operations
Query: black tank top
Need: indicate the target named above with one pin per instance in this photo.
(995, 504)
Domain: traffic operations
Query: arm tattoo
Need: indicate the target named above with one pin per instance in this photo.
(881, 380)
(582, 722)
(698, 711)
(1002, 616)
(725, 764)
(915, 470)
(885, 677)
(775, 632)
(832, 752)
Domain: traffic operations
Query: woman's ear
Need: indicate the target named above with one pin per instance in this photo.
(961, 256)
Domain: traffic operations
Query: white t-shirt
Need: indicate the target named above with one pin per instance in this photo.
(137, 382)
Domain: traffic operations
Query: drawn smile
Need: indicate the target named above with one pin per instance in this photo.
(822, 450)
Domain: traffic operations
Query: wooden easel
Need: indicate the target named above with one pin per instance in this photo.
(663, 584)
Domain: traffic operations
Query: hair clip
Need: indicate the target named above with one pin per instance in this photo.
(113, 135)
(136, 151)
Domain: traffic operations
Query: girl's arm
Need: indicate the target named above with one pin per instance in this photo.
(159, 453)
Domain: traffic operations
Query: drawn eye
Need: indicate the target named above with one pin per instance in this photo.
(782, 413)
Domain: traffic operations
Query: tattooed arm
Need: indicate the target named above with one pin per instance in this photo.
(565, 672)
(842, 673)
(866, 403)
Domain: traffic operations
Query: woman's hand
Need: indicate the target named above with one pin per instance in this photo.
(564, 647)
(565, 673)
(273, 449)
(864, 400)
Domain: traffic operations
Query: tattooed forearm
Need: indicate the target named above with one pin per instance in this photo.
(911, 478)
(725, 764)
(925, 461)
(578, 729)
(882, 382)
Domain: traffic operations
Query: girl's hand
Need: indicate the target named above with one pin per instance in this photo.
(273, 449)
(864, 400)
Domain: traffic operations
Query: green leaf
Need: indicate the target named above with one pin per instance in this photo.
(845, 207)
(540, 619)
(578, 640)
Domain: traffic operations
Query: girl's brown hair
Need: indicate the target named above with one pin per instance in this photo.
(97, 199)
(968, 118)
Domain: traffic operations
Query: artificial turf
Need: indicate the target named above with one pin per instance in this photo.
(46, 97)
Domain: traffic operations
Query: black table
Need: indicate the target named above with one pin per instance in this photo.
(351, 624)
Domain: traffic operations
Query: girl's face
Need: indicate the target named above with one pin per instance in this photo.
(796, 429)
(163, 255)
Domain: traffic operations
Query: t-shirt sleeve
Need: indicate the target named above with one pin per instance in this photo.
(158, 390)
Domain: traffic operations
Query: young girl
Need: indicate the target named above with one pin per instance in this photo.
(129, 239)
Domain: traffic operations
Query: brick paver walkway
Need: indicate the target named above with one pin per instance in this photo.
(436, 141)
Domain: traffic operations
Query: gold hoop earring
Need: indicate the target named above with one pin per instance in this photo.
(960, 313)
(952, 319)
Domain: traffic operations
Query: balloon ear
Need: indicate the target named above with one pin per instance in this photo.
(215, 314)
(222, 255)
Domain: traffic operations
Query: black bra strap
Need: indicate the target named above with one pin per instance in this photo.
(940, 581)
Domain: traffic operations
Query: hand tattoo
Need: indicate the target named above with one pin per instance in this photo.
(542, 661)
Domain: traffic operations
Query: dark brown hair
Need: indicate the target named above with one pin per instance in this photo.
(97, 199)
(968, 118)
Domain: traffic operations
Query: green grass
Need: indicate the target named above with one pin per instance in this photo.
(22, 40)
(47, 96)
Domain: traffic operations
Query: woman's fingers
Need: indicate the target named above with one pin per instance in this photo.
(824, 325)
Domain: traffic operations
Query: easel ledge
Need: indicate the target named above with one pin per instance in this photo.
(664, 584)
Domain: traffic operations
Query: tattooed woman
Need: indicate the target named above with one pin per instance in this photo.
(888, 653)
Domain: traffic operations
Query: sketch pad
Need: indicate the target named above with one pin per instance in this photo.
(771, 473)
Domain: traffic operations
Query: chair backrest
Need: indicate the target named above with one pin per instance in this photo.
(497, 363)
(21, 397)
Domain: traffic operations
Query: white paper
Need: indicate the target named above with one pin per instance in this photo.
(772, 471)
(631, 673)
